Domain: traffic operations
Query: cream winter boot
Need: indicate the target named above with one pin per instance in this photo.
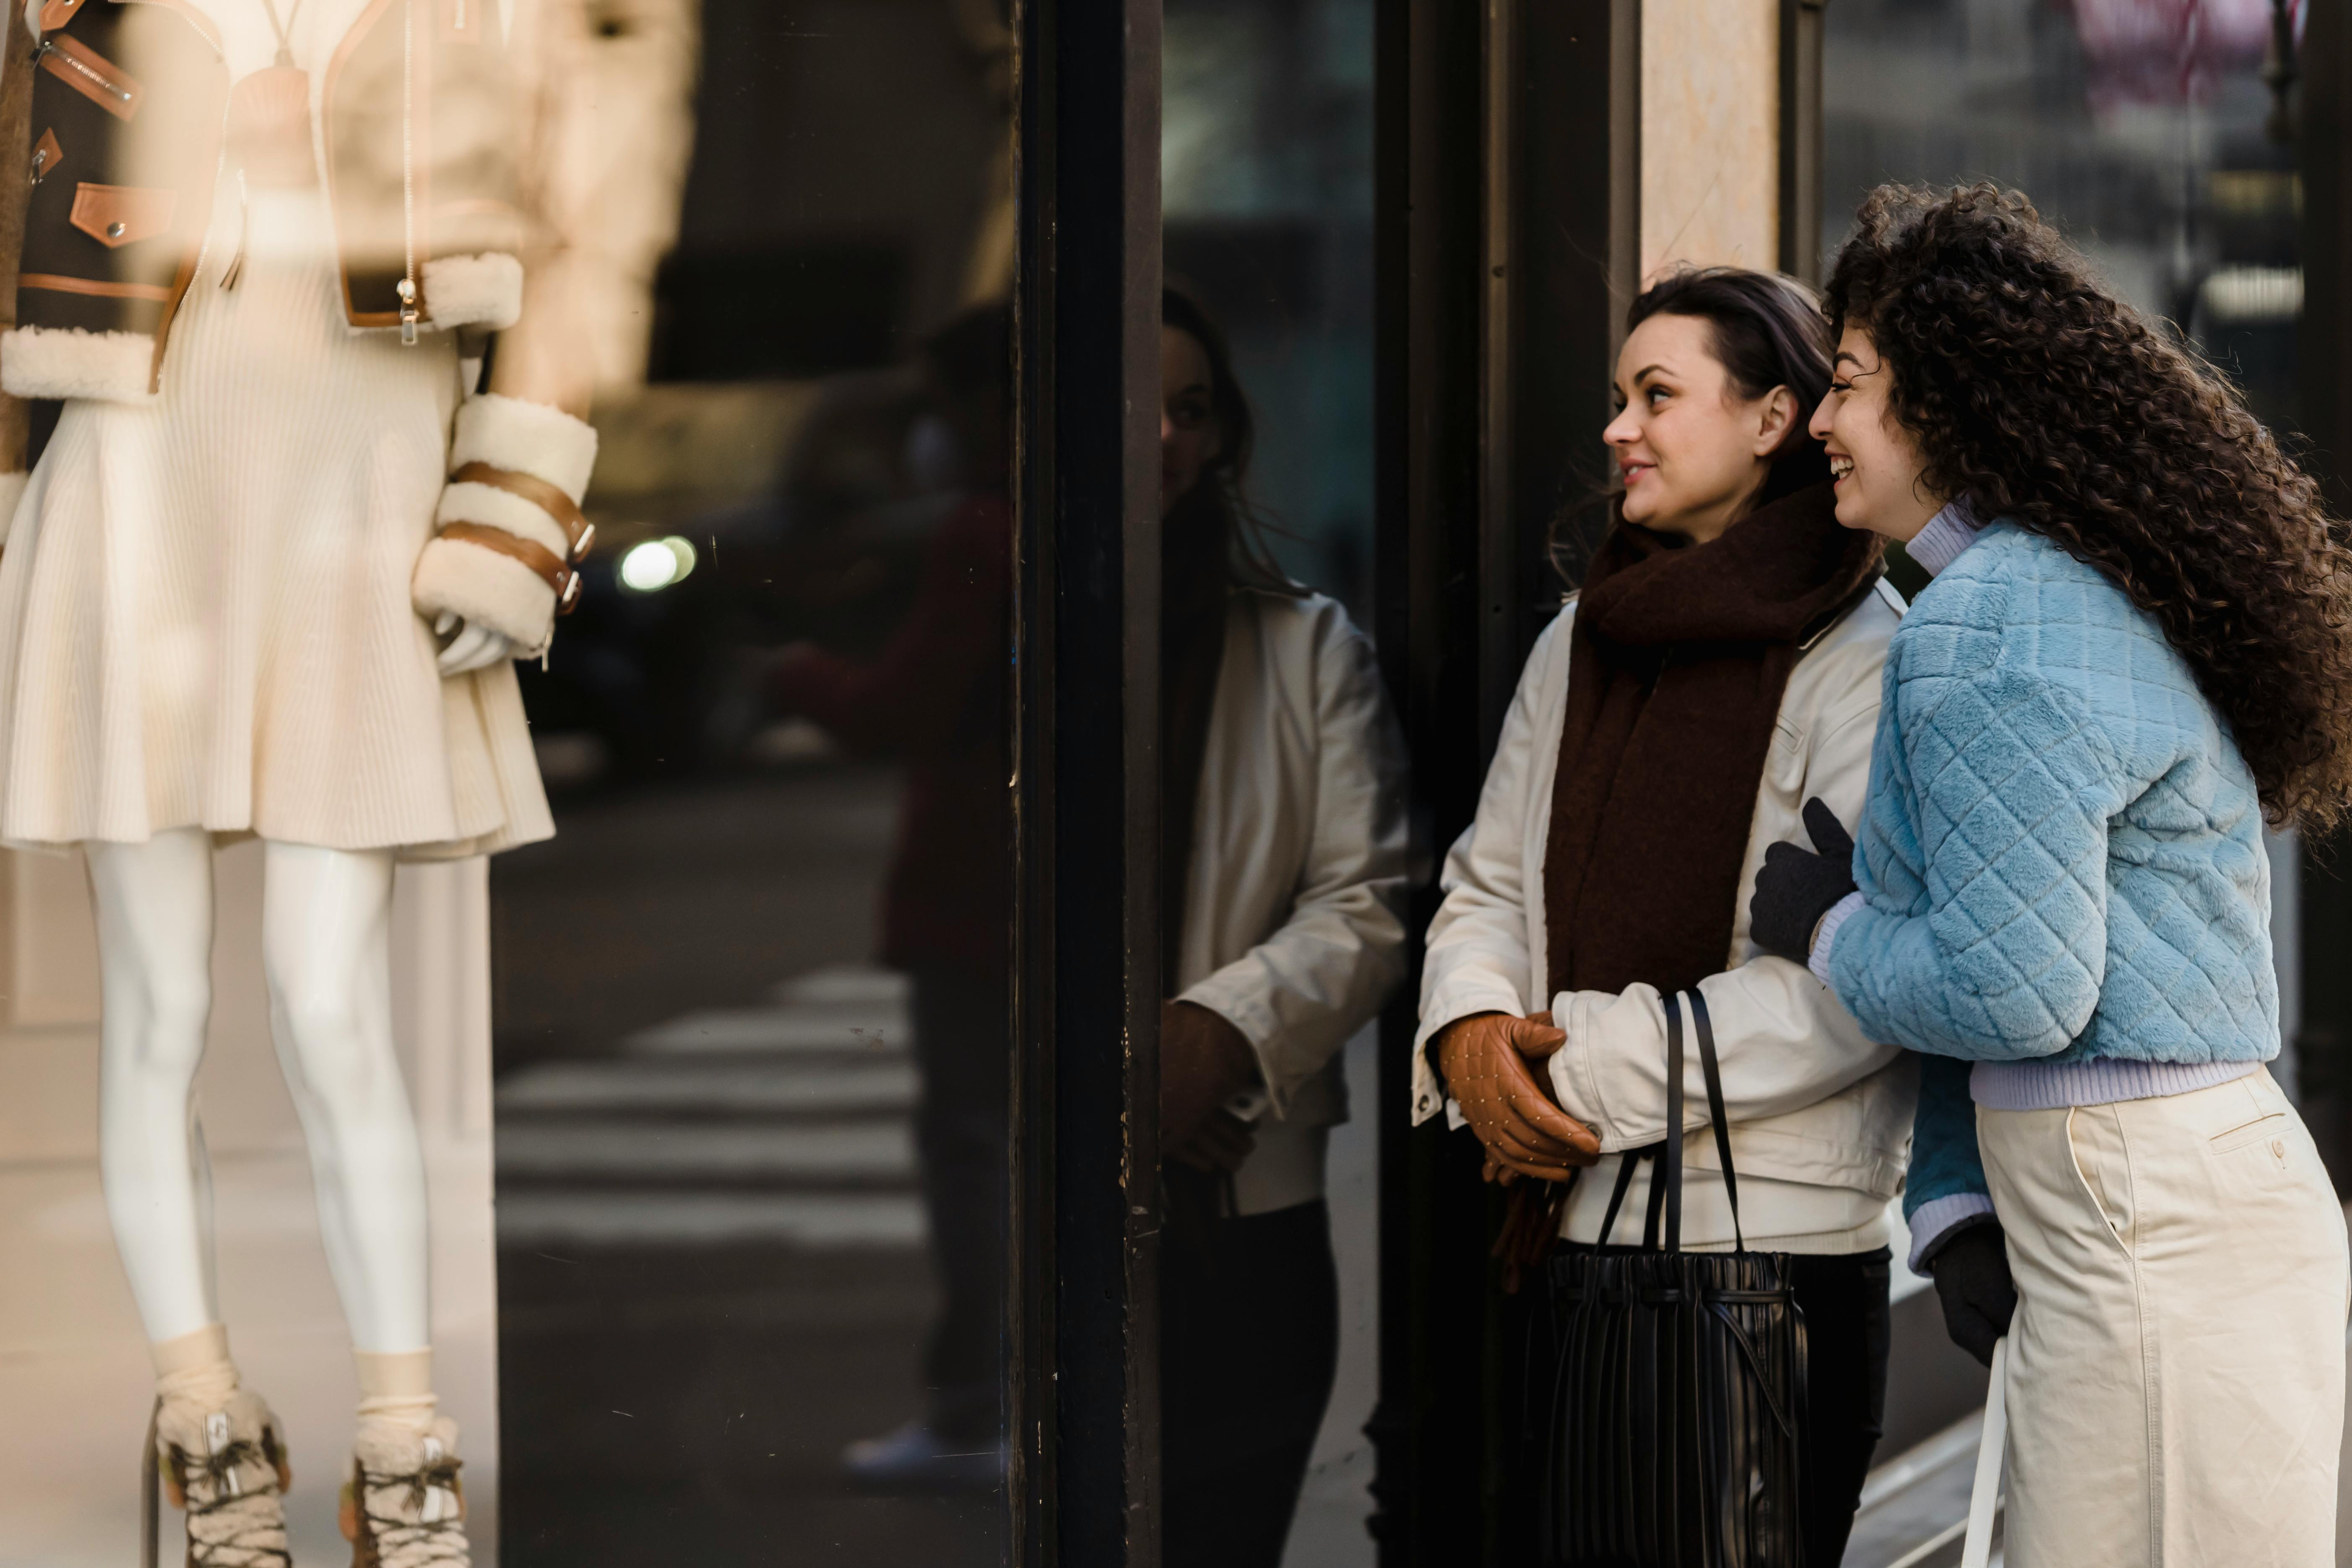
(403, 1506)
(223, 1462)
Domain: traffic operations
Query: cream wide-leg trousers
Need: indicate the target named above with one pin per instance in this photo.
(2176, 1367)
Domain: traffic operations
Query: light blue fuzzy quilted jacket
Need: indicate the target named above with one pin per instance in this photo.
(2062, 854)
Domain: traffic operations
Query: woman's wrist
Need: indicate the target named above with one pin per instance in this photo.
(1825, 931)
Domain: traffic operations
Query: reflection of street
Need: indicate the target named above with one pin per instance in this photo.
(710, 1256)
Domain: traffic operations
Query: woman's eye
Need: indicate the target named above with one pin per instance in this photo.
(1656, 395)
(1840, 387)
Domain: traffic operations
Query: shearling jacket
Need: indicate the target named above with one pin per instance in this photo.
(1293, 900)
(430, 131)
(415, 119)
(1821, 1115)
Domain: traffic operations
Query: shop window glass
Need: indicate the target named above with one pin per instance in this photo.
(2145, 127)
(1266, 190)
(752, 1027)
(709, 1083)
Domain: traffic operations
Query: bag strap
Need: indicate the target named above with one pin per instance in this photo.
(1626, 1162)
(1714, 1075)
(1669, 1173)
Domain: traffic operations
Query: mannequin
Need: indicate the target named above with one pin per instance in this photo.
(267, 580)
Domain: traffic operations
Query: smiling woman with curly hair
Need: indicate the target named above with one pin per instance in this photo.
(2138, 647)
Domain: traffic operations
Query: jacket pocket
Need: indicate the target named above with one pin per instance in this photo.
(92, 75)
(117, 216)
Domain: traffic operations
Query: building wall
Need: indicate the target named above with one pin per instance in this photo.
(1710, 136)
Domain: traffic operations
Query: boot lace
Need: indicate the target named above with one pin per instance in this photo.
(393, 1504)
(229, 1526)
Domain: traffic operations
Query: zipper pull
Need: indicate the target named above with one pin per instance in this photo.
(409, 314)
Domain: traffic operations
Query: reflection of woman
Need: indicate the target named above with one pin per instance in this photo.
(1283, 864)
(2064, 894)
(1720, 666)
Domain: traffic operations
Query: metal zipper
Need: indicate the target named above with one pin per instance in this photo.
(104, 84)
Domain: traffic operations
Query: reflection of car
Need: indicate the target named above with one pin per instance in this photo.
(775, 512)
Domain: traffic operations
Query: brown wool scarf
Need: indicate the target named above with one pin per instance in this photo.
(1678, 660)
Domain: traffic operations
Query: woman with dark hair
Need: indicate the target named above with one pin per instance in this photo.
(1719, 667)
(1282, 880)
(2137, 648)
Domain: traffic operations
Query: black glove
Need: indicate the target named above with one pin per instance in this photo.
(1972, 1270)
(1794, 889)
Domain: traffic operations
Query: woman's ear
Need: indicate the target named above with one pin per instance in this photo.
(1779, 417)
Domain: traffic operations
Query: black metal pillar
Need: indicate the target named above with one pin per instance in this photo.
(2323, 1045)
(1085, 1408)
(1507, 172)
(1801, 139)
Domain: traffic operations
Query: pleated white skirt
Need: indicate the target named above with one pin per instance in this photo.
(205, 615)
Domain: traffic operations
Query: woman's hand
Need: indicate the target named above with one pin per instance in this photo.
(1485, 1059)
(1795, 888)
(1204, 1062)
(1222, 1143)
(1971, 1274)
(473, 648)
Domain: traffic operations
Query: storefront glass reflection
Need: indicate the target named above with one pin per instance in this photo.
(2146, 128)
(752, 999)
(1269, 1296)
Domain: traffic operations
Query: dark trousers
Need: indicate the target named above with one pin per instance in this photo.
(1848, 1324)
(963, 1044)
(1249, 1343)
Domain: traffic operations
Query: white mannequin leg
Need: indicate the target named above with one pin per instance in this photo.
(155, 907)
(327, 948)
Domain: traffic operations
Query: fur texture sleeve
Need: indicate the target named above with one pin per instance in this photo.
(487, 587)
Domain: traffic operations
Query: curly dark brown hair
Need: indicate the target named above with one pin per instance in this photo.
(2036, 394)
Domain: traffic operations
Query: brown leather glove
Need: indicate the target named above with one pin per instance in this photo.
(1223, 1141)
(1485, 1059)
(1204, 1062)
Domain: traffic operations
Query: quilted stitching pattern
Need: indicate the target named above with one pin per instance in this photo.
(2062, 854)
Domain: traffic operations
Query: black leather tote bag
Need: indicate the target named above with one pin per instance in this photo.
(1679, 1391)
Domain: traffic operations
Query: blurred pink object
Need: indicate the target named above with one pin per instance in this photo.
(2172, 51)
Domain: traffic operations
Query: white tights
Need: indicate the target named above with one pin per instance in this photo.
(326, 949)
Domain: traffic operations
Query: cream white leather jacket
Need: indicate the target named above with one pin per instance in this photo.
(1820, 1117)
(1293, 903)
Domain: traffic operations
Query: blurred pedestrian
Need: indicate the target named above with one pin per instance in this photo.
(939, 699)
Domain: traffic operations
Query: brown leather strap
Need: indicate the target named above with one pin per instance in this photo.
(564, 581)
(62, 284)
(550, 498)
